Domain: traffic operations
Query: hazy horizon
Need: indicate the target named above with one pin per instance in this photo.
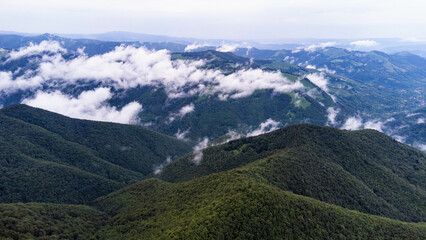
(233, 20)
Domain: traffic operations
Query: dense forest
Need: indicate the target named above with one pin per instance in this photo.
(299, 182)
(47, 157)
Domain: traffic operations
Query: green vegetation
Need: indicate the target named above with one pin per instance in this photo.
(372, 82)
(299, 182)
(48, 221)
(362, 170)
(46, 157)
(236, 205)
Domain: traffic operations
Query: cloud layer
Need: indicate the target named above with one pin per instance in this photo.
(126, 67)
(33, 49)
(364, 43)
(90, 105)
(319, 80)
(129, 67)
(356, 123)
(267, 126)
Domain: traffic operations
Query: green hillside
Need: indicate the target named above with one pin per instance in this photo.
(373, 82)
(48, 221)
(299, 182)
(361, 170)
(46, 157)
(237, 205)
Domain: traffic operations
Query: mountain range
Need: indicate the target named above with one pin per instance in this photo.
(47, 157)
(128, 139)
(320, 85)
(302, 181)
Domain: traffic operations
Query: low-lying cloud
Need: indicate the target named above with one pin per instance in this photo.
(33, 49)
(182, 112)
(228, 47)
(267, 126)
(181, 135)
(90, 105)
(320, 81)
(364, 43)
(420, 146)
(331, 115)
(352, 123)
(129, 67)
(356, 123)
(124, 68)
(198, 150)
(314, 47)
(374, 124)
(159, 169)
(194, 46)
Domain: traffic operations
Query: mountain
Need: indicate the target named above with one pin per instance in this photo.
(118, 36)
(47, 157)
(91, 47)
(211, 94)
(284, 184)
(362, 170)
(236, 205)
(400, 75)
(302, 181)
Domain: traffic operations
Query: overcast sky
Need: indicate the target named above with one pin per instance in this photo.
(230, 19)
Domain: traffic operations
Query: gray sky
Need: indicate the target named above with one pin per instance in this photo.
(231, 19)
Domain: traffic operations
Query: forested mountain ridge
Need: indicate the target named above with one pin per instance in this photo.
(47, 157)
(302, 181)
(244, 88)
(363, 170)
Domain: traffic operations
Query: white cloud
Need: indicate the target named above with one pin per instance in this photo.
(327, 70)
(129, 67)
(352, 123)
(244, 82)
(400, 139)
(90, 105)
(332, 113)
(356, 123)
(228, 47)
(311, 67)
(374, 124)
(33, 49)
(181, 135)
(412, 114)
(10, 85)
(198, 150)
(194, 46)
(268, 126)
(232, 135)
(186, 109)
(314, 47)
(182, 112)
(158, 169)
(319, 80)
(364, 43)
(420, 146)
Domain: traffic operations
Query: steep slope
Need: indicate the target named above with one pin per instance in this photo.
(362, 170)
(236, 205)
(47, 157)
(253, 188)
